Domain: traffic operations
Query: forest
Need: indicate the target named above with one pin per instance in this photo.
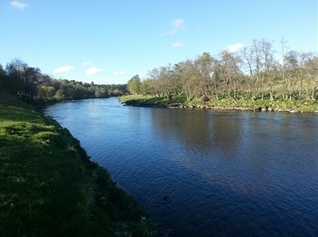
(257, 72)
(30, 85)
(254, 73)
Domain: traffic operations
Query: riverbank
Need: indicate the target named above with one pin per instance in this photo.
(49, 186)
(291, 106)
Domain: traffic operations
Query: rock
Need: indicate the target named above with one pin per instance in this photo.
(171, 106)
(294, 111)
(265, 109)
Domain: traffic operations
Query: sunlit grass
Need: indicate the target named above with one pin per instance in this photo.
(49, 187)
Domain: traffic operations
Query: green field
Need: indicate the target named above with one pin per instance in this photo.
(49, 187)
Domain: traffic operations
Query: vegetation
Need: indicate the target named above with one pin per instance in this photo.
(49, 187)
(248, 77)
(152, 101)
(133, 85)
(180, 101)
(30, 85)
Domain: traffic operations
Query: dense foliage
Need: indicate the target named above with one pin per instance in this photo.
(251, 73)
(29, 84)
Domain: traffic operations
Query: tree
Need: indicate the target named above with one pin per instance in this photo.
(190, 79)
(133, 85)
(154, 79)
(177, 78)
(2, 71)
(291, 66)
(101, 92)
(29, 77)
(146, 87)
(248, 70)
(230, 73)
(252, 73)
(309, 74)
(269, 66)
(164, 79)
(203, 65)
(10, 83)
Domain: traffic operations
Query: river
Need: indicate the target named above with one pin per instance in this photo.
(203, 172)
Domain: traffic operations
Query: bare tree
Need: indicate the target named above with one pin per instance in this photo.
(190, 79)
(309, 74)
(230, 73)
(269, 66)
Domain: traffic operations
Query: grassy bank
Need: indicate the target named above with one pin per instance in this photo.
(222, 103)
(49, 187)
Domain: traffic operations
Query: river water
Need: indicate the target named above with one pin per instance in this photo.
(206, 173)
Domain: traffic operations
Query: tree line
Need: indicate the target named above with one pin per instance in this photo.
(29, 85)
(251, 73)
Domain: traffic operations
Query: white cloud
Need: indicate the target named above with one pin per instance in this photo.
(234, 48)
(176, 26)
(177, 44)
(63, 69)
(18, 5)
(120, 73)
(86, 63)
(93, 71)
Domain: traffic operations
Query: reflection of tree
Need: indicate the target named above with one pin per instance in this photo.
(199, 131)
(227, 132)
(193, 130)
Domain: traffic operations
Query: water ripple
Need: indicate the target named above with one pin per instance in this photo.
(206, 173)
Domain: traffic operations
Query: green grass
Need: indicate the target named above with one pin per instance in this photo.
(283, 105)
(49, 187)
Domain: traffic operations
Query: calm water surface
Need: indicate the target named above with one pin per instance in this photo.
(206, 173)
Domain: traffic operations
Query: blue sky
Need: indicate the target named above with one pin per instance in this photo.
(110, 41)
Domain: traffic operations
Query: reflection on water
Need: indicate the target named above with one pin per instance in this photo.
(199, 130)
(206, 173)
